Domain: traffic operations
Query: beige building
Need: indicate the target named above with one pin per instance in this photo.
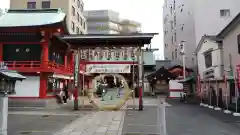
(109, 22)
(76, 22)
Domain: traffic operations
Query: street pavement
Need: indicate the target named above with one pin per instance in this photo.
(181, 119)
(185, 119)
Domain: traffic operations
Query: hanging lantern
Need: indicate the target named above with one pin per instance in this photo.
(117, 54)
(90, 54)
(125, 54)
(110, 55)
(87, 54)
(133, 54)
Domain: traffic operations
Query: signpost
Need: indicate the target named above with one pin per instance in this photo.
(76, 78)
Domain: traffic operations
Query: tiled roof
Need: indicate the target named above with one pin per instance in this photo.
(26, 17)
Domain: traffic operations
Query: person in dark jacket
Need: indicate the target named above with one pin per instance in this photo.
(65, 96)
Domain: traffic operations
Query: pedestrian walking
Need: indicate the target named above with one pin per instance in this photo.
(65, 94)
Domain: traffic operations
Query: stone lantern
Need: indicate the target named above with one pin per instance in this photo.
(8, 80)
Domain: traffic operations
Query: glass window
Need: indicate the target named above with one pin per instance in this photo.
(73, 26)
(31, 5)
(78, 30)
(225, 13)
(176, 54)
(81, 8)
(73, 11)
(78, 17)
(81, 21)
(46, 4)
(84, 25)
(78, 4)
(208, 59)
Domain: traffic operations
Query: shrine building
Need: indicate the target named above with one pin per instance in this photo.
(28, 46)
(37, 44)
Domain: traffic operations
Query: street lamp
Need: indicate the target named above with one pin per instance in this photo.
(7, 86)
(182, 52)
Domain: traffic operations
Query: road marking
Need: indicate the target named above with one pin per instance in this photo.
(141, 125)
(43, 113)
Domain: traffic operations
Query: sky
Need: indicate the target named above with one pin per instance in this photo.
(147, 12)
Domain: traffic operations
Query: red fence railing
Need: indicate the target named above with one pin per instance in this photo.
(37, 64)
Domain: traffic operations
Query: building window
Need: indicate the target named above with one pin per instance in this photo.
(78, 17)
(175, 20)
(238, 41)
(176, 55)
(73, 26)
(84, 25)
(46, 4)
(31, 5)
(78, 4)
(208, 58)
(81, 21)
(171, 25)
(78, 30)
(172, 55)
(171, 10)
(172, 40)
(175, 36)
(166, 45)
(73, 10)
(81, 8)
(225, 13)
(182, 27)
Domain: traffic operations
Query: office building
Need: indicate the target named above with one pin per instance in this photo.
(109, 22)
(76, 22)
(189, 20)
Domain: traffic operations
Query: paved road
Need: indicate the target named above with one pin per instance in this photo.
(37, 124)
(183, 119)
(42, 121)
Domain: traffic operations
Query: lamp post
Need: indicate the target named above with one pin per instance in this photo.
(182, 51)
(7, 86)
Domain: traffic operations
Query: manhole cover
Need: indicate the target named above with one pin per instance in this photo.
(44, 116)
(25, 133)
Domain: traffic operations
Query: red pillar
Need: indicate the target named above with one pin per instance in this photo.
(65, 62)
(43, 85)
(71, 61)
(1, 52)
(45, 50)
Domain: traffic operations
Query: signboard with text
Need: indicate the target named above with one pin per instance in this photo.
(108, 68)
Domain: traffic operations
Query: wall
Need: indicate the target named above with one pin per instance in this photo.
(230, 47)
(28, 87)
(184, 29)
(214, 24)
(216, 59)
(149, 58)
(193, 17)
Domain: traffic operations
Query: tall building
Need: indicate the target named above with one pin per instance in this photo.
(109, 22)
(76, 22)
(189, 20)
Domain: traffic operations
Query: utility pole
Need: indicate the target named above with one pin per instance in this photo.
(76, 78)
(140, 77)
